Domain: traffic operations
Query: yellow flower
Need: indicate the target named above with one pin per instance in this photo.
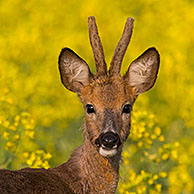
(141, 189)
(141, 129)
(28, 126)
(38, 162)
(155, 177)
(6, 124)
(163, 174)
(26, 154)
(161, 138)
(17, 118)
(12, 127)
(146, 134)
(165, 156)
(25, 114)
(9, 100)
(40, 152)
(174, 154)
(160, 150)
(16, 137)
(158, 187)
(46, 165)
(149, 141)
(126, 162)
(153, 136)
(9, 144)
(126, 154)
(150, 181)
(140, 144)
(142, 172)
(30, 134)
(157, 131)
(47, 156)
(121, 190)
(16, 124)
(29, 162)
(6, 135)
(139, 135)
(177, 144)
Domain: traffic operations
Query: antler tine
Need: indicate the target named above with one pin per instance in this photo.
(101, 67)
(121, 48)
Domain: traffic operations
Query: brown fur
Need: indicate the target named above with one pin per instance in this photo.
(89, 169)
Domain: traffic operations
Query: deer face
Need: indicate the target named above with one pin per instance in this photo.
(108, 103)
(108, 98)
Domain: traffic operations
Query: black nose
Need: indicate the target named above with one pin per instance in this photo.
(109, 140)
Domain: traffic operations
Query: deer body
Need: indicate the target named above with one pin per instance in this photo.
(83, 173)
(107, 99)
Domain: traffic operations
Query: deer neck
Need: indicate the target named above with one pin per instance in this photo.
(102, 174)
(89, 172)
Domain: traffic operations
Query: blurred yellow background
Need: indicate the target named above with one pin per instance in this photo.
(40, 119)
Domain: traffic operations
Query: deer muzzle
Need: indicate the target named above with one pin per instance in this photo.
(108, 143)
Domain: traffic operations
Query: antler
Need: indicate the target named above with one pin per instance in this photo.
(101, 67)
(121, 48)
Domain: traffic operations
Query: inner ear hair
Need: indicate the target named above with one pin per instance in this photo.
(74, 71)
(142, 72)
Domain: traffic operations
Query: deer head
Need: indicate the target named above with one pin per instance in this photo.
(107, 96)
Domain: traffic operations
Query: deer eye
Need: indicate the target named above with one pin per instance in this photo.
(90, 108)
(127, 109)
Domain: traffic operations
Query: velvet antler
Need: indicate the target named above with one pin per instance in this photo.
(121, 48)
(101, 67)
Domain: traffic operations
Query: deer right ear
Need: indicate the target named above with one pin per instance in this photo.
(74, 71)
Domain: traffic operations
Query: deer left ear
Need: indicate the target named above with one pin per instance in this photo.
(142, 72)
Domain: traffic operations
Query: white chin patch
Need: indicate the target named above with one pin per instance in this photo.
(107, 153)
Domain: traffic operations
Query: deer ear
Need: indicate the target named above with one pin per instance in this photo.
(142, 72)
(74, 71)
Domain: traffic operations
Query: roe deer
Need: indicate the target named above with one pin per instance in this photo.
(107, 98)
